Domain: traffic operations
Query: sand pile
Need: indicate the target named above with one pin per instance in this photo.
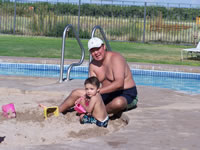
(30, 127)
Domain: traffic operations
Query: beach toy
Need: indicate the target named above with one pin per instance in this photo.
(2, 138)
(49, 111)
(9, 110)
(79, 108)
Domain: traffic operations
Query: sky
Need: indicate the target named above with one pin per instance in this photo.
(165, 3)
(175, 1)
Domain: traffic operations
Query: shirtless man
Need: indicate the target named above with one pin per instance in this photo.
(118, 88)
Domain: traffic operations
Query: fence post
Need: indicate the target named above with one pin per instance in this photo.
(14, 18)
(79, 7)
(145, 4)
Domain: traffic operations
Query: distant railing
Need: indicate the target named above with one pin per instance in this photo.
(121, 20)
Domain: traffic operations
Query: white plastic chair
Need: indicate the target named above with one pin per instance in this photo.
(191, 51)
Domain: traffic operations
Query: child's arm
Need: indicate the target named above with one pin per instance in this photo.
(91, 105)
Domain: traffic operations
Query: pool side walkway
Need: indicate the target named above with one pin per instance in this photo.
(163, 120)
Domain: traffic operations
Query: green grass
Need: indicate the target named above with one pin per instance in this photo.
(45, 47)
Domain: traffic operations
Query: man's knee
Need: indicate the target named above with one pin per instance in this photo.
(119, 103)
(77, 92)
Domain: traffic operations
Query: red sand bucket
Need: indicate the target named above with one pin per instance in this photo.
(79, 108)
(9, 111)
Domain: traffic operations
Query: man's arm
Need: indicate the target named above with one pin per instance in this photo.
(91, 71)
(118, 66)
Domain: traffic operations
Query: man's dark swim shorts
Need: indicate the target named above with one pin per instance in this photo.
(130, 95)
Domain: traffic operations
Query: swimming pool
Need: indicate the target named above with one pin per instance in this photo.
(179, 81)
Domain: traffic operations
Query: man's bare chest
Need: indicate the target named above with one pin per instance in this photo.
(105, 73)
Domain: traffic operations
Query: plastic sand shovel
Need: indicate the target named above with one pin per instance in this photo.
(49, 111)
(79, 108)
(9, 110)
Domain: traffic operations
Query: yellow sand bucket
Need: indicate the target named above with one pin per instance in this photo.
(50, 111)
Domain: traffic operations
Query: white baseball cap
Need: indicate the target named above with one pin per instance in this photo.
(94, 43)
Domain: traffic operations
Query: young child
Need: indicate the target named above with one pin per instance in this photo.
(95, 110)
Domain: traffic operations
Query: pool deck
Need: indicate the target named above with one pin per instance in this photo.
(163, 120)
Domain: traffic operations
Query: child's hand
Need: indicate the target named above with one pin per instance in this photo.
(82, 101)
(79, 100)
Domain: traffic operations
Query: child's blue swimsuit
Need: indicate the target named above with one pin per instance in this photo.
(90, 119)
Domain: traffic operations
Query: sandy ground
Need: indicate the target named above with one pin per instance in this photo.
(165, 119)
(30, 127)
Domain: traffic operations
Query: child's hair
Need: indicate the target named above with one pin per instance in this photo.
(92, 80)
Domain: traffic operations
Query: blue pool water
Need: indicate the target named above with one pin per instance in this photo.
(183, 82)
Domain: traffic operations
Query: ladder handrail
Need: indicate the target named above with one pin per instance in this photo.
(104, 37)
(63, 52)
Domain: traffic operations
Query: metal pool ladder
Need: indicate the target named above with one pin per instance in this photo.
(67, 28)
